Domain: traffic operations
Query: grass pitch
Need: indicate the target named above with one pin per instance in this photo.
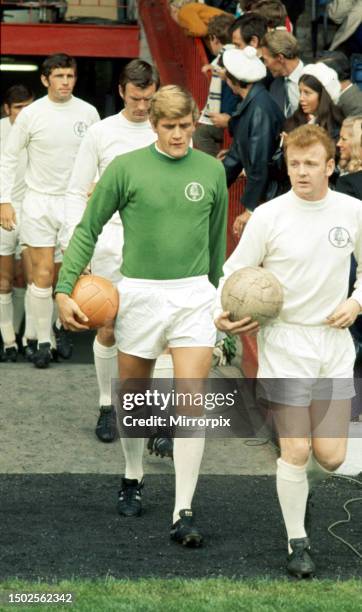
(180, 595)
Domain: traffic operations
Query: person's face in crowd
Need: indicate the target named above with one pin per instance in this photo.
(60, 84)
(308, 100)
(14, 109)
(238, 40)
(344, 144)
(273, 62)
(137, 101)
(174, 135)
(215, 45)
(309, 171)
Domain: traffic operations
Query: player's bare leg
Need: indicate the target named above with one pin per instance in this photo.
(129, 501)
(106, 364)
(330, 423)
(191, 368)
(7, 269)
(42, 259)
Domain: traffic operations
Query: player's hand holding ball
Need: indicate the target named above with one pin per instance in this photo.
(70, 314)
(244, 326)
(251, 297)
(94, 303)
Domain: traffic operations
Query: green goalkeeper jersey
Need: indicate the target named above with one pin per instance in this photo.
(174, 214)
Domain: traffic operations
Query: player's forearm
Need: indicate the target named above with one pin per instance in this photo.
(9, 161)
(101, 207)
(8, 166)
(250, 251)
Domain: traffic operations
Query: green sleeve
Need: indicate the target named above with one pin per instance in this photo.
(217, 229)
(104, 202)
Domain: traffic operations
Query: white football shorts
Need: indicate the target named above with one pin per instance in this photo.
(154, 314)
(299, 363)
(42, 219)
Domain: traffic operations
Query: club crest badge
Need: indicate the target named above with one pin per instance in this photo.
(194, 192)
(339, 237)
(80, 128)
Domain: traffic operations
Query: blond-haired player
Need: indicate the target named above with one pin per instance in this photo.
(172, 201)
(306, 237)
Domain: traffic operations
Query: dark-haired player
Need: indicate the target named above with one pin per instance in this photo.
(121, 133)
(50, 130)
(16, 98)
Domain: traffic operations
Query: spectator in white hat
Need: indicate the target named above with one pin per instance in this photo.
(319, 89)
(255, 127)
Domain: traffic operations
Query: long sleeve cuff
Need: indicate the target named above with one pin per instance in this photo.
(357, 295)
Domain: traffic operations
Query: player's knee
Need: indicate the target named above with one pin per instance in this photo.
(333, 461)
(295, 451)
(190, 398)
(6, 284)
(105, 335)
(43, 276)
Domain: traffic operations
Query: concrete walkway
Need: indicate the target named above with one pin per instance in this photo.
(47, 421)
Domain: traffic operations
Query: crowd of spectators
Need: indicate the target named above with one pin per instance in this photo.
(261, 88)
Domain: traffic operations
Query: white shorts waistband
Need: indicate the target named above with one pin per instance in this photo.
(297, 326)
(171, 284)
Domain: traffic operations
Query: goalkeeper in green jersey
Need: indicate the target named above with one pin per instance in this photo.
(172, 201)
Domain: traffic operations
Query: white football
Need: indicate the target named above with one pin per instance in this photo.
(252, 292)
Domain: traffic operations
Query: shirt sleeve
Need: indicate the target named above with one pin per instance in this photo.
(106, 199)
(17, 141)
(250, 251)
(357, 293)
(217, 230)
(83, 175)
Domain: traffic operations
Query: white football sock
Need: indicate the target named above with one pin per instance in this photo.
(316, 473)
(133, 454)
(18, 307)
(30, 331)
(42, 308)
(6, 319)
(106, 364)
(292, 489)
(187, 456)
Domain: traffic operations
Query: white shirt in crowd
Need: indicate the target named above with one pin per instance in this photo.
(19, 187)
(293, 88)
(51, 133)
(307, 245)
(103, 142)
